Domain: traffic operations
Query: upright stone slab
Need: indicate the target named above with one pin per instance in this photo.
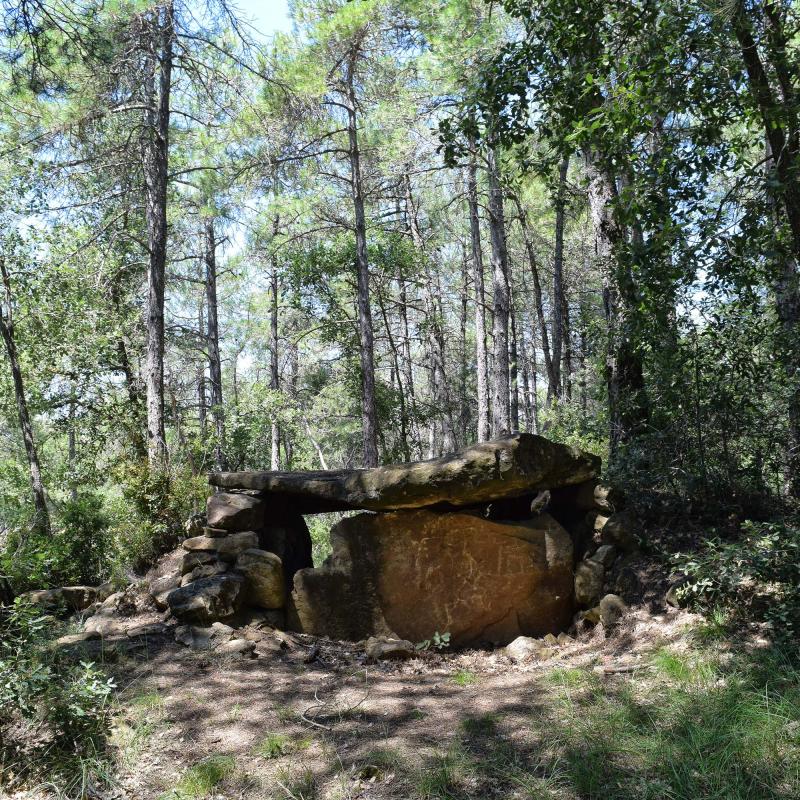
(412, 573)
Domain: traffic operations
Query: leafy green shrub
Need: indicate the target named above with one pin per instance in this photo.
(76, 552)
(147, 520)
(754, 577)
(39, 689)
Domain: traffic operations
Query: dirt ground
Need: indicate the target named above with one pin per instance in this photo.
(308, 717)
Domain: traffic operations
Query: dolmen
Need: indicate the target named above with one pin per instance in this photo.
(481, 544)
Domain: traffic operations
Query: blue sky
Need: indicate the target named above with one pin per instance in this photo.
(267, 16)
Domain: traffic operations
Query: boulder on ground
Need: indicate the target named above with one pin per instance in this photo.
(71, 598)
(264, 574)
(383, 648)
(516, 465)
(236, 647)
(612, 609)
(412, 573)
(621, 529)
(226, 547)
(232, 511)
(203, 638)
(588, 582)
(525, 648)
(605, 555)
(161, 587)
(208, 599)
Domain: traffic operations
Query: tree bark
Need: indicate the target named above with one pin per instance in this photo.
(369, 412)
(42, 515)
(155, 162)
(274, 374)
(783, 137)
(549, 361)
(627, 403)
(484, 425)
(214, 359)
(558, 277)
(501, 411)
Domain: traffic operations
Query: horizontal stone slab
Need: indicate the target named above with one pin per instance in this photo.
(513, 466)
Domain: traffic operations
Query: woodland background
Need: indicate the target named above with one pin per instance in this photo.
(401, 228)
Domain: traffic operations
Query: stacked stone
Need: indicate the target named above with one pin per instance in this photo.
(245, 557)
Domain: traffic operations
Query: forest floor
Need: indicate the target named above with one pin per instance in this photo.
(666, 706)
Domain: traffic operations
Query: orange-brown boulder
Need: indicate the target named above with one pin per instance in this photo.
(410, 574)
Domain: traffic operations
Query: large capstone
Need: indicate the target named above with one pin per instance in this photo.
(411, 574)
(514, 466)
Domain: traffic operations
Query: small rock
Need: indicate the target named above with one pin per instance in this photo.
(203, 638)
(235, 647)
(381, 648)
(673, 597)
(216, 567)
(265, 579)
(592, 615)
(161, 587)
(105, 623)
(564, 638)
(194, 525)
(152, 629)
(596, 521)
(226, 547)
(550, 640)
(605, 555)
(214, 533)
(612, 608)
(197, 558)
(524, 648)
(208, 599)
(589, 577)
(76, 638)
(77, 598)
(621, 530)
(235, 512)
(627, 583)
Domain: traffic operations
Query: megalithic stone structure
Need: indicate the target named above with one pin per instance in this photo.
(452, 545)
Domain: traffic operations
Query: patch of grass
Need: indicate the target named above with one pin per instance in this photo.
(465, 678)
(274, 745)
(147, 701)
(442, 777)
(285, 713)
(299, 784)
(484, 725)
(568, 677)
(202, 778)
(692, 730)
(417, 713)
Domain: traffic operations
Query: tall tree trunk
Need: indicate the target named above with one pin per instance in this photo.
(783, 137)
(549, 361)
(202, 333)
(513, 370)
(274, 375)
(42, 519)
(627, 402)
(558, 276)
(155, 161)
(214, 359)
(369, 411)
(484, 425)
(463, 357)
(501, 411)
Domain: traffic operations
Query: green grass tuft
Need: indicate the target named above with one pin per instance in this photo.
(465, 678)
(202, 778)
